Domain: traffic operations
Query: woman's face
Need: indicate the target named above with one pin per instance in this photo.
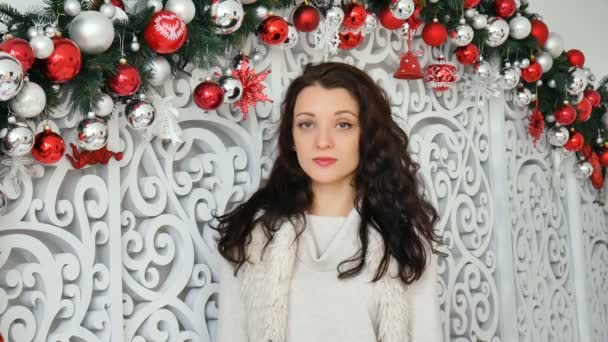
(326, 125)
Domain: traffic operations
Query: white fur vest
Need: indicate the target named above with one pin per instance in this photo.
(265, 283)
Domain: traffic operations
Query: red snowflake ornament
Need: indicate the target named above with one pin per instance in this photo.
(253, 89)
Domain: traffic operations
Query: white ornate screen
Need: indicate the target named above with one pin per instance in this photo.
(123, 252)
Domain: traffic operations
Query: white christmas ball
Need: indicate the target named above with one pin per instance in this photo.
(32, 32)
(334, 15)
(554, 45)
(108, 10)
(558, 136)
(92, 31)
(498, 31)
(120, 15)
(578, 81)
(545, 60)
(183, 8)
(104, 106)
(583, 169)
(261, 12)
(156, 4)
(469, 13)
(523, 97)
(30, 101)
(462, 35)
(160, 70)
(510, 78)
(479, 21)
(71, 7)
(520, 27)
(42, 46)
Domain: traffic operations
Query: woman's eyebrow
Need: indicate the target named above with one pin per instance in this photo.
(338, 112)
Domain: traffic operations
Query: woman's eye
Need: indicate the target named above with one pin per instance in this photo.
(304, 124)
(344, 125)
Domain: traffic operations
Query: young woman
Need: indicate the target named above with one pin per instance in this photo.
(338, 245)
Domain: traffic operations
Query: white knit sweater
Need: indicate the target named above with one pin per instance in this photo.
(323, 308)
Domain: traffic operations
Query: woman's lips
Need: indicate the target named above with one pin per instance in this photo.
(324, 161)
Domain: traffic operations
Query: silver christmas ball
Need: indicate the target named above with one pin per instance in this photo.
(335, 15)
(3, 203)
(50, 31)
(519, 27)
(257, 56)
(550, 118)
(462, 35)
(292, 38)
(539, 83)
(156, 4)
(578, 82)
(32, 32)
(552, 84)
(510, 78)
(498, 31)
(371, 22)
(469, 13)
(104, 106)
(134, 46)
(545, 60)
(108, 10)
(120, 15)
(604, 120)
(183, 8)
(71, 7)
(479, 21)
(233, 88)
(599, 141)
(402, 9)
(17, 138)
(484, 70)
(92, 31)
(56, 87)
(238, 60)
(558, 136)
(583, 169)
(160, 70)
(554, 45)
(261, 12)
(11, 76)
(575, 99)
(524, 63)
(92, 133)
(227, 16)
(30, 101)
(140, 114)
(523, 97)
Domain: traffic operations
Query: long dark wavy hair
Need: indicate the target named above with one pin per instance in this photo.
(388, 191)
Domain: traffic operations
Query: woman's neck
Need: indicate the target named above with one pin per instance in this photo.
(332, 199)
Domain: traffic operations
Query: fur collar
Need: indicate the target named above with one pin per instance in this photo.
(265, 283)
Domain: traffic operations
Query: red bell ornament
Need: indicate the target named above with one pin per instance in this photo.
(409, 67)
(20, 49)
(127, 80)
(306, 18)
(166, 32)
(65, 61)
(273, 30)
(48, 146)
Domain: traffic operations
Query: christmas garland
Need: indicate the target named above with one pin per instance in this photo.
(100, 53)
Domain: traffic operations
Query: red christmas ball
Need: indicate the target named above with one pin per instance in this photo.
(584, 110)
(20, 49)
(467, 54)
(540, 31)
(434, 33)
(166, 32)
(208, 95)
(388, 20)
(65, 61)
(594, 97)
(126, 82)
(350, 40)
(471, 3)
(565, 114)
(306, 18)
(505, 8)
(576, 58)
(597, 179)
(532, 73)
(354, 15)
(118, 3)
(604, 158)
(48, 147)
(575, 142)
(586, 152)
(273, 30)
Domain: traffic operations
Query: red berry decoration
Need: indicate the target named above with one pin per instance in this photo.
(20, 49)
(532, 73)
(604, 158)
(65, 61)
(126, 82)
(575, 143)
(505, 8)
(565, 114)
(208, 95)
(306, 18)
(166, 32)
(48, 146)
(273, 30)
(471, 3)
(594, 97)
(354, 15)
(467, 54)
(576, 58)
(350, 40)
(434, 33)
(540, 31)
(584, 110)
(388, 20)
